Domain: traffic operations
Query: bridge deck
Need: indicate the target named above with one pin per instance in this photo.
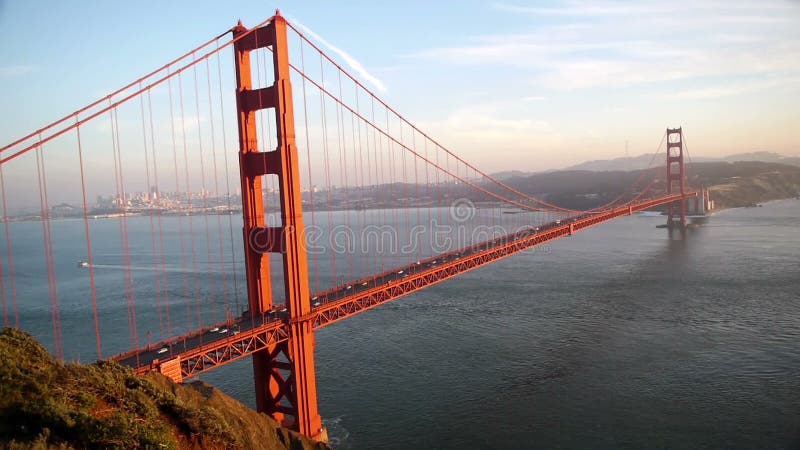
(216, 345)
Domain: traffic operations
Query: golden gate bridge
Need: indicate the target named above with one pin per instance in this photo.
(318, 153)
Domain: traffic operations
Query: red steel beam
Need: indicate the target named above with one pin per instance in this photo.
(207, 356)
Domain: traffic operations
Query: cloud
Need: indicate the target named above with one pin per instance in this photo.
(581, 45)
(349, 60)
(723, 10)
(585, 9)
(14, 71)
(496, 128)
(729, 90)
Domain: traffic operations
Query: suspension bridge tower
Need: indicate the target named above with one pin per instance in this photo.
(676, 178)
(285, 380)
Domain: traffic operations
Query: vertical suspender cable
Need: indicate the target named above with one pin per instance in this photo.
(315, 250)
(89, 254)
(228, 186)
(47, 238)
(328, 185)
(161, 264)
(190, 206)
(9, 250)
(149, 198)
(204, 196)
(3, 290)
(220, 261)
(184, 273)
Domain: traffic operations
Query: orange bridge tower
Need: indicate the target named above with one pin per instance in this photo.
(676, 178)
(285, 380)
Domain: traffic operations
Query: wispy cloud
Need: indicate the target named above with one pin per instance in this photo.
(723, 10)
(14, 71)
(511, 134)
(348, 59)
(620, 44)
(730, 89)
(577, 8)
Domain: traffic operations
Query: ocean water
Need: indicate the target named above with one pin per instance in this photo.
(617, 337)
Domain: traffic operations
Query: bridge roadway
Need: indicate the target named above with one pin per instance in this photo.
(193, 353)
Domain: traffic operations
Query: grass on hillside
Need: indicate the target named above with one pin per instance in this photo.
(46, 404)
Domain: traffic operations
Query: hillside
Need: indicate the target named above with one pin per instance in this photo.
(732, 184)
(642, 161)
(48, 404)
(746, 183)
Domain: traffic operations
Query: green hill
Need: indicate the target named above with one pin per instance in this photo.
(45, 403)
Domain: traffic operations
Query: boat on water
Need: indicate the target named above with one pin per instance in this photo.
(83, 264)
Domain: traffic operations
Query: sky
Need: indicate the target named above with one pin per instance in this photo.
(506, 84)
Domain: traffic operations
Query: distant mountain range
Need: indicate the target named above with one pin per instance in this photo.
(733, 181)
(642, 161)
(743, 179)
